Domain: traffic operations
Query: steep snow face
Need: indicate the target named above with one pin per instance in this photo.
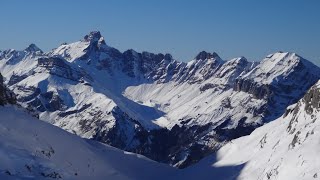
(287, 148)
(146, 103)
(276, 67)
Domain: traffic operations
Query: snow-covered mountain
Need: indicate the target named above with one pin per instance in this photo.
(152, 104)
(32, 149)
(287, 148)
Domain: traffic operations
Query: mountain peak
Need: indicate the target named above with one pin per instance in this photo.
(287, 59)
(33, 48)
(94, 36)
(241, 59)
(168, 57)
(205, 55)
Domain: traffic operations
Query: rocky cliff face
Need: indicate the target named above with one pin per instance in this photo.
(6, 96)
(312, 100)
(152, 104)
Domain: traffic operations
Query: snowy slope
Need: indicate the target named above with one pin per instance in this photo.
(152, 104)
(287, 148)
(34, 149)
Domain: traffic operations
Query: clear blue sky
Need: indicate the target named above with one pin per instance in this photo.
(232, 28)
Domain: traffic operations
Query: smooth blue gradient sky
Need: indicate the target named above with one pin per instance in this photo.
(232, 28)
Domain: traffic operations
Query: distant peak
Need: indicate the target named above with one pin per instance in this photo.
(205, 55)
(94, 36)
(242, 59)
(288, 60)
(130, 52)
(168, 57)
(215, 55)
(282, 54)
(33, 48)
(238, 61)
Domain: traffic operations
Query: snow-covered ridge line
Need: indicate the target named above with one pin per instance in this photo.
(141, 101)
(31, 149)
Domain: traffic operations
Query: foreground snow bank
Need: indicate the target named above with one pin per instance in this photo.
(32, 149)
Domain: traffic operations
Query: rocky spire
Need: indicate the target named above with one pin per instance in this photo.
(168, 57)
(205, 55)
(94, 37)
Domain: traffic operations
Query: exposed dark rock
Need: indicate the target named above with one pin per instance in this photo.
(84, 107)
(16, 78)
(226, 103)
(295, 140)
(54, 101)
(59, 67)
(93, 36)
(312, 99)
(33, 48)
(130, 58)
(242, 129)
(145, 62)
(6, 96)
(162, 145)
(263, 141)
(29, 93)
(205, 55)
(207, 86)
(52, 62)
(53, 175)
(168, 57)
(312, 102)
(258, 91)
(37, 104)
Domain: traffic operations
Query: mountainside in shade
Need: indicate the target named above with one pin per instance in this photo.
(287, 148)
(151, 104)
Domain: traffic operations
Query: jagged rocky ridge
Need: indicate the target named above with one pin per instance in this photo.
(170, 111)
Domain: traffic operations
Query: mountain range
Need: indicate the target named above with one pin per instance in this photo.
(170, 111)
